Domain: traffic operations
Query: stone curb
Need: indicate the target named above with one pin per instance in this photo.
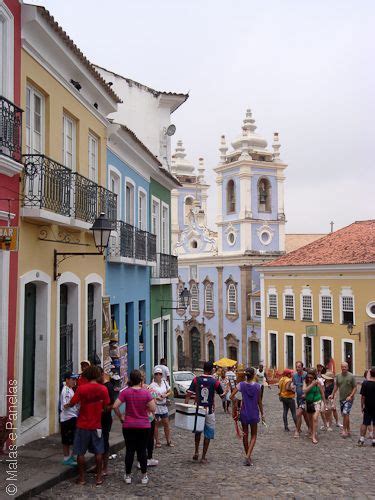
(71, 471)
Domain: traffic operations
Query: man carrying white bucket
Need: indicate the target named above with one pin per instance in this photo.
(204, 388)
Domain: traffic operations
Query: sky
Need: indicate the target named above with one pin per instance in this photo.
(305, 69)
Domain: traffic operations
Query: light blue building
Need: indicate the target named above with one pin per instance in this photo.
(217, 267)
(132, 249)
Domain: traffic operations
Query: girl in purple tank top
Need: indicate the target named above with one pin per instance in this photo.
(250, 408)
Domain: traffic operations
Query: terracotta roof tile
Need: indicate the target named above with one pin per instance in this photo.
(353, 244)
(73, 47)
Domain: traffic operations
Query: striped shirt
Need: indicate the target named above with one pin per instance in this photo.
(136, 414)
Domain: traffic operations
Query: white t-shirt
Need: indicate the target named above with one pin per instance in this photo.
(161, 404)
(66, 395)
(165, 371)
(260, 375)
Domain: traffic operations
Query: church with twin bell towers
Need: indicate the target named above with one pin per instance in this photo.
(218, 265)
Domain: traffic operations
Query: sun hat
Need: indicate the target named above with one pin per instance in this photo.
(158, 370)
(328, 375)
(85, 361)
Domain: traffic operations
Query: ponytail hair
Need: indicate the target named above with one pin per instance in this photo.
(250, 373)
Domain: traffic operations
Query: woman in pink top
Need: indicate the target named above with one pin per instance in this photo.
(136, 424)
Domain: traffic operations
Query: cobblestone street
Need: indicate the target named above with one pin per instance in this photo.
(283, 467)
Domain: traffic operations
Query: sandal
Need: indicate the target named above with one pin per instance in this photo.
(195, 456)
(80, 483)
(158, 445)
(170, 444)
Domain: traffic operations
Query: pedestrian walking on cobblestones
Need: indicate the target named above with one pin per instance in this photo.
(368, 406)
(249, 413)
(162, 390)
(298, 380)
(262, 379)
(329, 384)
(136, 423)
(287, 398)
(346, 384)
(204, 388)
(224, 382)
(315, 402)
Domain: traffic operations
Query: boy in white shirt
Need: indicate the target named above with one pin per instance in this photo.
(68, 418)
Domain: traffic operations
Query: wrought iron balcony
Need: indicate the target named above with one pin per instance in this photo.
(166, 267)
(51, 186)
(132, 243)
(10, 130)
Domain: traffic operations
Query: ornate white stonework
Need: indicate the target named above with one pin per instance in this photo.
(265, 234)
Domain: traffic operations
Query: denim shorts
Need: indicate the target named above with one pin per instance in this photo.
(161, 416)
(346, 406)
(85, 439)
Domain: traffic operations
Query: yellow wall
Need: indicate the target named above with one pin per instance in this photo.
(35, 254)
(363, 292)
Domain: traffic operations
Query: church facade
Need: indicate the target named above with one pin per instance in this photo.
(218, 266)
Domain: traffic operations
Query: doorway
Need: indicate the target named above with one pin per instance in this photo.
(28, 378)
(66, 334)
(232, 353)
(195, 344)
(348, 355)
(91, 324)
(180, 353)
(289, 351)
(326, 351)
(211, 351)
(371, 345)
(254, 353)
(307, 352)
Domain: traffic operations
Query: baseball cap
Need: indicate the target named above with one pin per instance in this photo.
(157, 370)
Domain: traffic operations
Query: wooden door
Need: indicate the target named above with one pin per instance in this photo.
(28, 378)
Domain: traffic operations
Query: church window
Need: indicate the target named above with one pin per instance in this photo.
(231, 238)
(264, 195)
(231, 197)
(188, 206)
(194, 244)
(232, 299)
(194, 298)
(258, 308)
(208, 298)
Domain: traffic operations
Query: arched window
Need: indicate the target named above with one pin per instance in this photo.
(211, 351)
(194, 298)
(264, 195)
(208, 298)
(187, 208)
(232, 299)
(231, 197)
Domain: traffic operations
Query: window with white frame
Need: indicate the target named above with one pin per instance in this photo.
(69, 143)
(326, 309)
(129, 203)
(155, 221)
(115, 187)
(208, 298)
(258, 308)
(272, 305)
(34, 121)
(194, 298)
(93, 157)
(165, 229)
(142, 210)
(232, 299)
(306, 306)
(288, 306)
(347, 309)
(6, 52)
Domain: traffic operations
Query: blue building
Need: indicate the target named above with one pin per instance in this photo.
(132, 249)
(217, 267)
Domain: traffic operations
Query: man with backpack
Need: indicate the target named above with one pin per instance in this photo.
(203, 388)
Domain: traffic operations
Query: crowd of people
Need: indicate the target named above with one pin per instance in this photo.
(89, 401)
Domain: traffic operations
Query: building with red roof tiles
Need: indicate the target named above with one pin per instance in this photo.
(318, 302)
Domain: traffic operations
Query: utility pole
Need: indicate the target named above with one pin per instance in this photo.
(331, 226)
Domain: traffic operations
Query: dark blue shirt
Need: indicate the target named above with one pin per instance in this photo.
(204, 387)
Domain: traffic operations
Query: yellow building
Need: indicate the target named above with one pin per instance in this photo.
(66, 103)
(319, 302)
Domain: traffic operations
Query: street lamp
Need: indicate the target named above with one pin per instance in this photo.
(350, 330)
(185, 298)
(101, 230)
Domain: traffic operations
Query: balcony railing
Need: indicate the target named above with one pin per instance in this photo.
(51, 186)
(10, 130)
(132, 243)
(166, 266)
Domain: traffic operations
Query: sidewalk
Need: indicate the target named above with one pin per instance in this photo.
(39, 463)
